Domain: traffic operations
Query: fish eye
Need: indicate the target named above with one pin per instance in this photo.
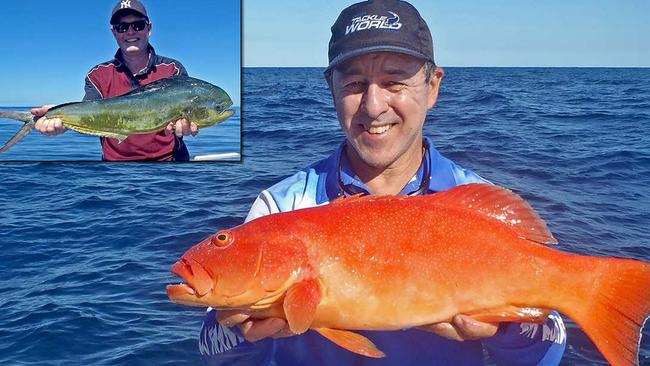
(222, 239)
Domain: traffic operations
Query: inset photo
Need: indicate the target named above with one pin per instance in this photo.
(121, 80)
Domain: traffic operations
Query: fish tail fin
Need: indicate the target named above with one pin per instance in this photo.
(25, 117)
(17, 115)
(615, 314)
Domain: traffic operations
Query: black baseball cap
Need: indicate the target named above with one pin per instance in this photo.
(379, 25)
(128, 6)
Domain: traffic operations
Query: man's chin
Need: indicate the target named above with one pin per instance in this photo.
(374, 159)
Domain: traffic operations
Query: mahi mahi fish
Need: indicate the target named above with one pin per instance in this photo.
(396, 262)
(143, 110)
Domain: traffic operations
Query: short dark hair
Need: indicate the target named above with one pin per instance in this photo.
(429, 68)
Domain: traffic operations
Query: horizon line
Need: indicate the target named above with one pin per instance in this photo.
(451, 66)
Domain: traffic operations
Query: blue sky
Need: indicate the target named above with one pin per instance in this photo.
(49, 46)
(467, 33)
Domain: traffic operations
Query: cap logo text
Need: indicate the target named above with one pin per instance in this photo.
(373, 22)
(125, 4)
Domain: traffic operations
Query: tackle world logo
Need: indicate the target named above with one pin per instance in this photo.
(373, 22)
(125, 4)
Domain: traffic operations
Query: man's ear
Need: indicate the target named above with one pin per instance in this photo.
(434, 86)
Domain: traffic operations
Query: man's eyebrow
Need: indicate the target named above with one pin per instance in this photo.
(398, 71)
(349, 70)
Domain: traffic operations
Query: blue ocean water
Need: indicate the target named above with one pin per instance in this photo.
(72, 146)
(86, 248)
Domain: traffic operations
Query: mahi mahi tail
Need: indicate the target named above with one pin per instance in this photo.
(25, 117)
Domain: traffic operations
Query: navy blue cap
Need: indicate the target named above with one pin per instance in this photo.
(128, 6)
(379, 25)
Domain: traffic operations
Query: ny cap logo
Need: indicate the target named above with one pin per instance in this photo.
(125, 4)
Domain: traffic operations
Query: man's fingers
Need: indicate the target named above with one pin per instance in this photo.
(186, 128)
(170, 128)
(470, 329)
(254, 330)
(50, 127)
(39, 124)
(41, 110)
(183, 127)
(444, 329)
(284, 332)
(462, 328)
(178, 127)
(230, 318)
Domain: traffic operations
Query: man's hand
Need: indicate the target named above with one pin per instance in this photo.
(462, 328)
(254, 329)
(48, 126)
(182, 127)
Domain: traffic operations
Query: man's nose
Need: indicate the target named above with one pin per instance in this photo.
(130, 31)
(375, 101)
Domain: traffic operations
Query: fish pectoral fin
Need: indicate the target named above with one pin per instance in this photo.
(300, 304)
(353, 342)
(512, 313)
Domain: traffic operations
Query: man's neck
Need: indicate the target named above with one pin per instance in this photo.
(136, 62)
(393, 178)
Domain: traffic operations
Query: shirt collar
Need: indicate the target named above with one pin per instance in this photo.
(349, 179)
(150, 66)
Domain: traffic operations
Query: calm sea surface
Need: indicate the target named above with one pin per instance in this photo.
(86, 247)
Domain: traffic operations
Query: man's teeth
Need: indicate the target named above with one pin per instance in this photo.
(379, 129)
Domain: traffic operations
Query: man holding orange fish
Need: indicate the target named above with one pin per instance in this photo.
(383, 80)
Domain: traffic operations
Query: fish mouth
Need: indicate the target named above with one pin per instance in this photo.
(198, 282)
(224, 115)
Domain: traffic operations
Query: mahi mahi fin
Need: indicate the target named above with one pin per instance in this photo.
(25, 117)
(90, 131)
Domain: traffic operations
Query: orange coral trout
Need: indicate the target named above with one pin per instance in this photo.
(388, 263)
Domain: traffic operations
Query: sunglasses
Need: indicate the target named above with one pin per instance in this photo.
(137, 26)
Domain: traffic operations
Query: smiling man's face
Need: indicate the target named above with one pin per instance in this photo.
(381, 100)
(132, 41)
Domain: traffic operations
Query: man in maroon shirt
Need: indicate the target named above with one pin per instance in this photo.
(135, 64)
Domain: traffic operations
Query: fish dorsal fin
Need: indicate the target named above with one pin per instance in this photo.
(500, 204)
(61, 106)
